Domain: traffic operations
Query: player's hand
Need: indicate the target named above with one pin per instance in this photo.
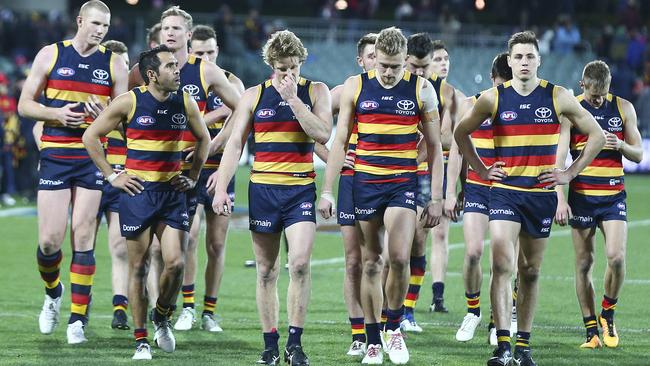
(211, 184)
(68, 117)
(221, 203)
(93, 107)
(460, 201)
(288, 87)
(432, 214)
(554, 177)
(190, 152)
(327, 205)
(183, 183)
(495, 172)
(129, 183)
(612, 141)
(349, 159)
(450, 206)
(563, 213)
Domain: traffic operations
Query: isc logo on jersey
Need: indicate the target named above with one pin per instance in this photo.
(145, 120)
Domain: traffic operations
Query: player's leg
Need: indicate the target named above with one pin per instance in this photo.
(138, 257)
(418, 266)
(153, 275)
(475, 226)
(583, 245)
(52, 208)
(215, 245)
(615, 232)
(266, 247)
(187, 317)
(352, 289)
(82, 270)
(119, 270)
(439, 258)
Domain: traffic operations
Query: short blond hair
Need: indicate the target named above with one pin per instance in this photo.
(391, 41)
(283, 44)
(177, 11)
(94, 4)
(596, 74)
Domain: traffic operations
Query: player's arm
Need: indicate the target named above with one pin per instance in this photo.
(336, 156)
(336, 99)
(135, 79)
(29, 107)
(630, 146)
(223, 111)
(37, 132)
(470, 122)
(563, 212)
(430, 122)
(321, 151)
(106, 122)
(241, 120)
(200, 132)
(569, 107)
(220, 85)
(454, 169)
(317, 122)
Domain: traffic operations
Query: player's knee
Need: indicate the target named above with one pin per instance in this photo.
(353, 266)
(584, 264)
(502, 267)
(616, 260)
(51, 243)
(474, 253)
(175, 266)
(139, 270)
(215, 249)
(120, 252)
(299, 268)
(529, 273)
(373, 266)
(399, 264)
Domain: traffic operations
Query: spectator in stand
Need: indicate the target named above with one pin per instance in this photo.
(254, 33)
(567, 36)
(8, 135)
(223, 26)
(404, 11)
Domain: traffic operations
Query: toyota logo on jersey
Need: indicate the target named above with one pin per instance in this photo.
(191, 89)
(100, 74)
(543, 112)
(405, 105)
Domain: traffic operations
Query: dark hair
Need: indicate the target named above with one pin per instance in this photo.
(525, 37)
(115, 46)
(203, 33)
(419, 45)
(153, 34)
(439, 45)
(367, 39)
(500, 68)
(149, 60)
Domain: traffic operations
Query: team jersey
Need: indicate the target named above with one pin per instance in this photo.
(283, 151)
(436, 82)
(153, 135)
(526, 130)
(116, 149)
(387, 122)
(74, 78)
(352, 149)
(214, 103)
(604, 175)
(193, 83)
(482, 140)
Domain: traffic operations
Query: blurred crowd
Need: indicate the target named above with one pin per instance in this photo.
(615, 30)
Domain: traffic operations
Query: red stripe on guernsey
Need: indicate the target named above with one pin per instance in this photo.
(527, 129)
(373, 146)
(576, 139)
(116, 150)
(283, 157)
(81, 269)
(606, 163)
(61, 139)
(532, 160)
(287, 126)
(79, 86)
(385, 166)
(201, 104)
(187, 135)
(80, 299)
(600, 187)
(390, 180)
(389, 119)
(482, 134)
(160, 166)
(155, 135)
(473, 176)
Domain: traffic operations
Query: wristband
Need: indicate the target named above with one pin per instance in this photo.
(328, 196)
(113, 176)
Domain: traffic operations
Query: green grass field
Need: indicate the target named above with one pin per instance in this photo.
(556, 334)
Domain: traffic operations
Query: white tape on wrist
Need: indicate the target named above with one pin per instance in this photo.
(328, 196)
(112, 177)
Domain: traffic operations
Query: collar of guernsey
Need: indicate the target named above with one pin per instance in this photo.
(153, 135)
(73, 78)
(193, 83)
(283, 151)
(526, 130)
(482, 140)
(604, 175)
(387, 125)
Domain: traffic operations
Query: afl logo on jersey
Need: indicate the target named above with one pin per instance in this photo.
(179, 119)
(543, 112)
(508, 115)
(369, 105)
(405, 105)
(100, 74)
(191, 89)
(145, 120)
(265, 113)
(306, 205)
(65, 71)
(615, 122)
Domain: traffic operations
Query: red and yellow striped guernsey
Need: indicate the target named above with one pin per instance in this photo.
(436, 82)
(604, 175)
(387, 124)
(214, 103)
(484, 144)
(153, 135)
(283, 151)
(74, 78)
(526, 130)
(116, 149)
(352, 149)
